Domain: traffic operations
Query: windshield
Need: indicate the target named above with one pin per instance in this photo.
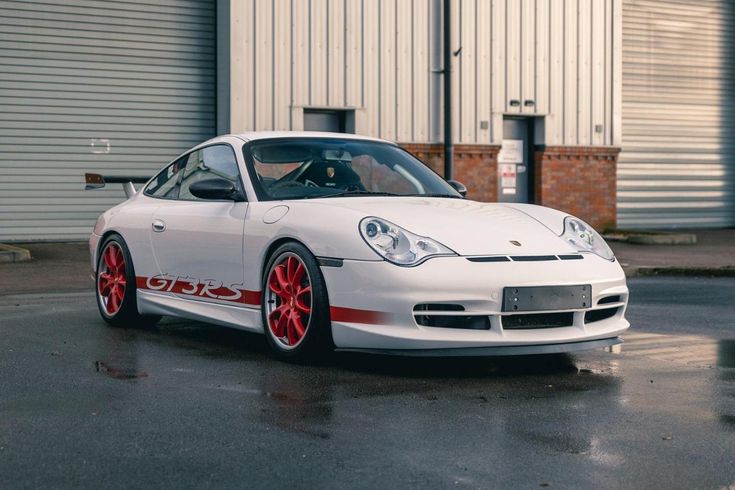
(303, 168)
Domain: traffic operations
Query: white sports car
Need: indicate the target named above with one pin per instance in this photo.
(326, 241)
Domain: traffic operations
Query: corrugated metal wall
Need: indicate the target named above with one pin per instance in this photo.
(371, 55)
(375, 56)
(137, 74)
(677, 167)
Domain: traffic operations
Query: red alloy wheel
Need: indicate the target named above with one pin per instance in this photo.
(111, 281)
(289, 300)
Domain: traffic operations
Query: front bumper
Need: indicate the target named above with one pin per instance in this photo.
(373, 304)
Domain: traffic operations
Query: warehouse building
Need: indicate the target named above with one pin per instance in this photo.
(619, 111)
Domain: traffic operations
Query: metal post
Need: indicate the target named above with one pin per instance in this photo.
(448, 143)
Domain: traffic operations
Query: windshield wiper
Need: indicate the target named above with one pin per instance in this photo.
(353, 193)
(449, 196)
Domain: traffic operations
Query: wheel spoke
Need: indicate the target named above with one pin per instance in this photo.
(120, 291)
(302, 303)
(105, 283)
(276, 320)
(298, 324)
(292, 264)
(291, 332)
(109, 257)
(112, 302)
(298, 276)
(119, 260)
(281, 276)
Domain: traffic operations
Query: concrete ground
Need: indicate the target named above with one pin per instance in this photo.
(189, 405)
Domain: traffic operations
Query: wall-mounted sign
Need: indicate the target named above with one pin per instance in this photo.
(507, 175)
(100, 146)
(511, 152)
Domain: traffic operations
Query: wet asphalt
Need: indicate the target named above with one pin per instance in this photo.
(188, 405)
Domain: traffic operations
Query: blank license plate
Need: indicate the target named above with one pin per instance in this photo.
(541, 298)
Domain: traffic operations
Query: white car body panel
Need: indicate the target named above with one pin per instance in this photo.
(208, 263)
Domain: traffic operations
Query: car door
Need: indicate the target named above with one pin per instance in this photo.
(198, 243)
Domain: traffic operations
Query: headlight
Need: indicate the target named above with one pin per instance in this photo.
(583, 238)
(397, 245)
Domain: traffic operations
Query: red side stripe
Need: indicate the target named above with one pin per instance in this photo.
(351, 315)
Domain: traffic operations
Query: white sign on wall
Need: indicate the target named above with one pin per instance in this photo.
(507, 175)
(511, 152)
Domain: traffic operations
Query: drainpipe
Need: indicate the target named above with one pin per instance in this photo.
(447, 49)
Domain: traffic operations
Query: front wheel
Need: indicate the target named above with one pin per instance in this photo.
(295, 305)
(115, 288)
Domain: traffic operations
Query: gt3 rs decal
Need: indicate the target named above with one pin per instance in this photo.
(199, 288)
(209, 289)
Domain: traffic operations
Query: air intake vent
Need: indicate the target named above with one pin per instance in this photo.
(609, 299)
(477, 322)
(438, 307)
(538, 320)
(599, 315)
(532, 258)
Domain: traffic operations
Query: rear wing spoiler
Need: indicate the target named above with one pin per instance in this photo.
(98, 181)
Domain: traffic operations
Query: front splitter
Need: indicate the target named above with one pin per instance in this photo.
(500, 350)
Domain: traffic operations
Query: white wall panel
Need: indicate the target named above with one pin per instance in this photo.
(374, 56)
(282, 64)
(420, 81)
(336, 73)
(404, 80)
(317, 55)
(263, 65)
(466, 64)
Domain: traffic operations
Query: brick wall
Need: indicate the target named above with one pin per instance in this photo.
(474, 165)
(574, 179)
(578, 180)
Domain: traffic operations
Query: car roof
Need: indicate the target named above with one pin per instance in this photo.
(260, 135)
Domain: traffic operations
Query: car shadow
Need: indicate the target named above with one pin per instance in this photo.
(216, 341)
(466, 367)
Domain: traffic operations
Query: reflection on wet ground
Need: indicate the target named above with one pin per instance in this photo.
(209, 406)
(726, 387)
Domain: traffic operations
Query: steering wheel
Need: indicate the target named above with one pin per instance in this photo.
(285, 184)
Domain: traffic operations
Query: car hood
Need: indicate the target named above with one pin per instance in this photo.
(467, 227)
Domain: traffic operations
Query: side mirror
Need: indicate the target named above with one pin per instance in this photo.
(215, 188)
(458, 186)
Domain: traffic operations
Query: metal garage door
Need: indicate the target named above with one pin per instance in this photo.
(114, 86)
(677, 167)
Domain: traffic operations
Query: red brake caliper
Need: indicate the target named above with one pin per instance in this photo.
(111, 282)
(290, 283)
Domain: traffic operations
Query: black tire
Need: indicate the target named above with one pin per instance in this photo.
(116, 311)
(316, 342)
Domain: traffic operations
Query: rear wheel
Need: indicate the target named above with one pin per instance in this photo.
(115, 288)
(295, 305)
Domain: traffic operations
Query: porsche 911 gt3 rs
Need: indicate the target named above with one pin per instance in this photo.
(324, 241)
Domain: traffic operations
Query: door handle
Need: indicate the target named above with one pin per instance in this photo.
(158, 226)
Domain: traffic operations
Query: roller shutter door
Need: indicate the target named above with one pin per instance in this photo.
(110, 86)
(677, 167)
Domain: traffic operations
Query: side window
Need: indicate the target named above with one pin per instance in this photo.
(208, 163)
(164, 184)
